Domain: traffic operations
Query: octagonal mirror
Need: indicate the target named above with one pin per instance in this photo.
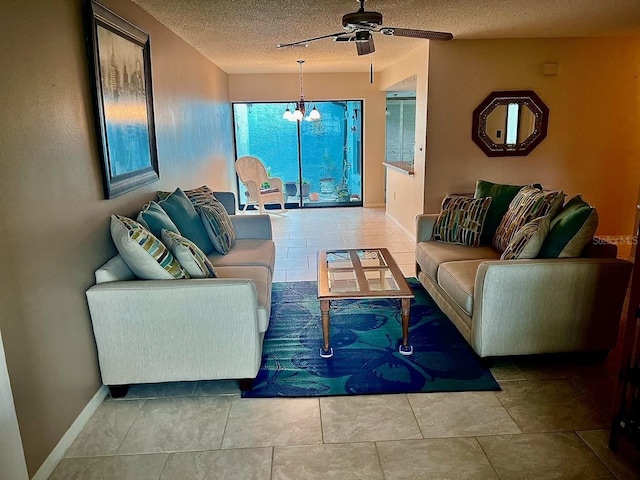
(510, 123)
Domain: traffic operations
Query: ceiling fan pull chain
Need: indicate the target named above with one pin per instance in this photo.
(371, 68)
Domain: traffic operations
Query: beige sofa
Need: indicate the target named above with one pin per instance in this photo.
(150, 331)
(517, 307)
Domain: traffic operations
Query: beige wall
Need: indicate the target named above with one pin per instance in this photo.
(51, 203)
(405, 193)
(593, 145)
(328, 86)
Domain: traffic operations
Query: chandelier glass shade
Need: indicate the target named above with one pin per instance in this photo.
(298, 109)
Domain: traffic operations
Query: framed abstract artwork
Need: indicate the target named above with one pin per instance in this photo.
(120, 60)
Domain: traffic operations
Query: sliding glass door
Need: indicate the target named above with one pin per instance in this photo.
(319, 162)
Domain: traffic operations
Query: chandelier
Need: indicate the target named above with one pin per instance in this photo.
(300, 108)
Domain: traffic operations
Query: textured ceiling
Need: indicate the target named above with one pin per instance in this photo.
(240, 36)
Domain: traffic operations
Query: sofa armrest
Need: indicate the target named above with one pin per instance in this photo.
(424, 226)
(252, 226)
(547, 304)
(162, 330)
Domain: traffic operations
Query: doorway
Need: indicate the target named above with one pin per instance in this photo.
(319, 162)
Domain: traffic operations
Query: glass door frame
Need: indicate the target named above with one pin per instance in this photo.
(302, 203)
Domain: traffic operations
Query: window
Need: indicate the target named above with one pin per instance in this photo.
(319, 162)
(401, 122)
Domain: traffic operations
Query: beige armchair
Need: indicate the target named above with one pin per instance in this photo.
(253, 175)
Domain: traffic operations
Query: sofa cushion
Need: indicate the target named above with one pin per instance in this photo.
(143, 253)
(501, 195)
(571, 230)
(460, 220)
(218, 225)
(458, 280)
(527, 241)
(184, 215)
(429, 255)
(247, 252)
(529, 204)
(155, 219)
(189, 255)
(262, 278)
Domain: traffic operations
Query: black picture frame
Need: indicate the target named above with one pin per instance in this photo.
(120, 71)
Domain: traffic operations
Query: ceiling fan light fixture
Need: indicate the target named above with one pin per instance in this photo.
(364, 42)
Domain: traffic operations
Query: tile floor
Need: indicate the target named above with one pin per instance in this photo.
(549, 421)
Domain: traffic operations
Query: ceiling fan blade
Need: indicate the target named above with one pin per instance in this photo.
(345, 38)
(413, 33)
(364, 42)
(302, 42)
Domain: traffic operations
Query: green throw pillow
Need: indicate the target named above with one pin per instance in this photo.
(501, 195)
(198, 196)
(460, 220)
(183, 214)
(155, 219)
(571, 230)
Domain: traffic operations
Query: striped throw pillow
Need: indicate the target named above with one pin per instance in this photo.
(189, 255)
(529, 204)
(143, 253)
(461, 220)
(527, 241)
(218, 226)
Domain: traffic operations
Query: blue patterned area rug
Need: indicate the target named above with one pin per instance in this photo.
(365, 335)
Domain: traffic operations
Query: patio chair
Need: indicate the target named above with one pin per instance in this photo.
(253, 175)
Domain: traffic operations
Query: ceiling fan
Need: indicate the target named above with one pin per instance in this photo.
(360, 25)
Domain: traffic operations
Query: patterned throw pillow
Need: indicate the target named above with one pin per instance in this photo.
(529, 204)
(198, 196)
(501, 195)
(218, 226)
(527, 241)
(461, 220)
(143, 253)
(189, 255)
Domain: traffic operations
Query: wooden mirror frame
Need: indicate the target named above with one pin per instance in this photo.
(526, 98)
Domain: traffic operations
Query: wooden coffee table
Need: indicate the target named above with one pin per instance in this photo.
(349, 274)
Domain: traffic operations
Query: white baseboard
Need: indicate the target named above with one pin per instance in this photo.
(411, 234)
(51, 462)
(374, 205)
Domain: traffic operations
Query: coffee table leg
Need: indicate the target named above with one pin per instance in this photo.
(405, 348)
(326, 351)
